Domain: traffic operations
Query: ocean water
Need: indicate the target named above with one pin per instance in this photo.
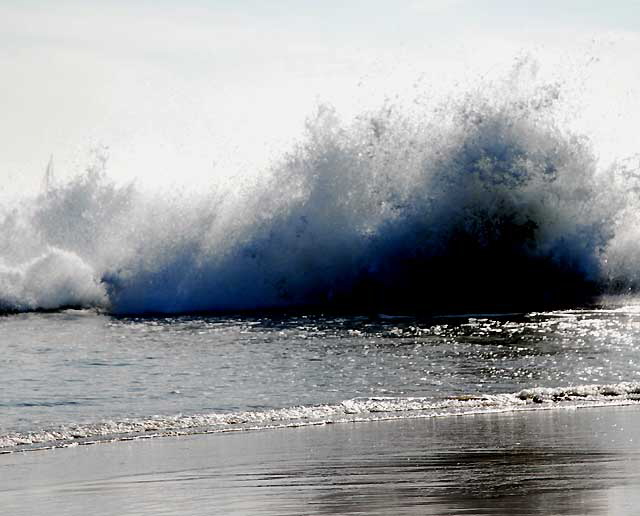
(81, 377)
(468, 255)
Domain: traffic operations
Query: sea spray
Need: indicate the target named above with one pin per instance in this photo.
(53, 280)
(480, 200)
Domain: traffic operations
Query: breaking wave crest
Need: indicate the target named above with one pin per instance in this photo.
(482, 200)
(348, 411)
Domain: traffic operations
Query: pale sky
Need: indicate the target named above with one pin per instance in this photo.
(189, 91)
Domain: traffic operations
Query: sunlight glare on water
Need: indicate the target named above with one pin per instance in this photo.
(82, 368)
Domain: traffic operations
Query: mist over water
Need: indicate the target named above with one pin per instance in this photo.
(483, 199)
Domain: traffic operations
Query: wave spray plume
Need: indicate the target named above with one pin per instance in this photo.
(479, 201)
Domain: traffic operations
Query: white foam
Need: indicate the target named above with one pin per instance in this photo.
(355, 212)
(352, 410)
(54, 279)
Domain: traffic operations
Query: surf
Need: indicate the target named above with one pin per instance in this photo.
(481, 201)
(356, 410)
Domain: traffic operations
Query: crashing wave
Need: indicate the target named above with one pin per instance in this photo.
(483, 201)
(53, 280)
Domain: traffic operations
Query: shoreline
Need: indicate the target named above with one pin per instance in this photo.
(244, 427)
(531, 462)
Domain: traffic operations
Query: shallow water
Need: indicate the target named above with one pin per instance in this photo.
(80, 375)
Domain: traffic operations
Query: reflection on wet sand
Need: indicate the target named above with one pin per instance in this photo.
(560, 462)
(543, 463)
(528, 482)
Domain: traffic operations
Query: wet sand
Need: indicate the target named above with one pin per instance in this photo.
(555, 462)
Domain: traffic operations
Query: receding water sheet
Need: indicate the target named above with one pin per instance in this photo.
(562, 462)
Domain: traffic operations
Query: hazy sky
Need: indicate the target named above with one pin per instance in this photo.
(180, 91)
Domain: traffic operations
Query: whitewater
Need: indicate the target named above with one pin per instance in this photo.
(479, 200)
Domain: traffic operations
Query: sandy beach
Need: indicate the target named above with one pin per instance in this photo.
(562, 462)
